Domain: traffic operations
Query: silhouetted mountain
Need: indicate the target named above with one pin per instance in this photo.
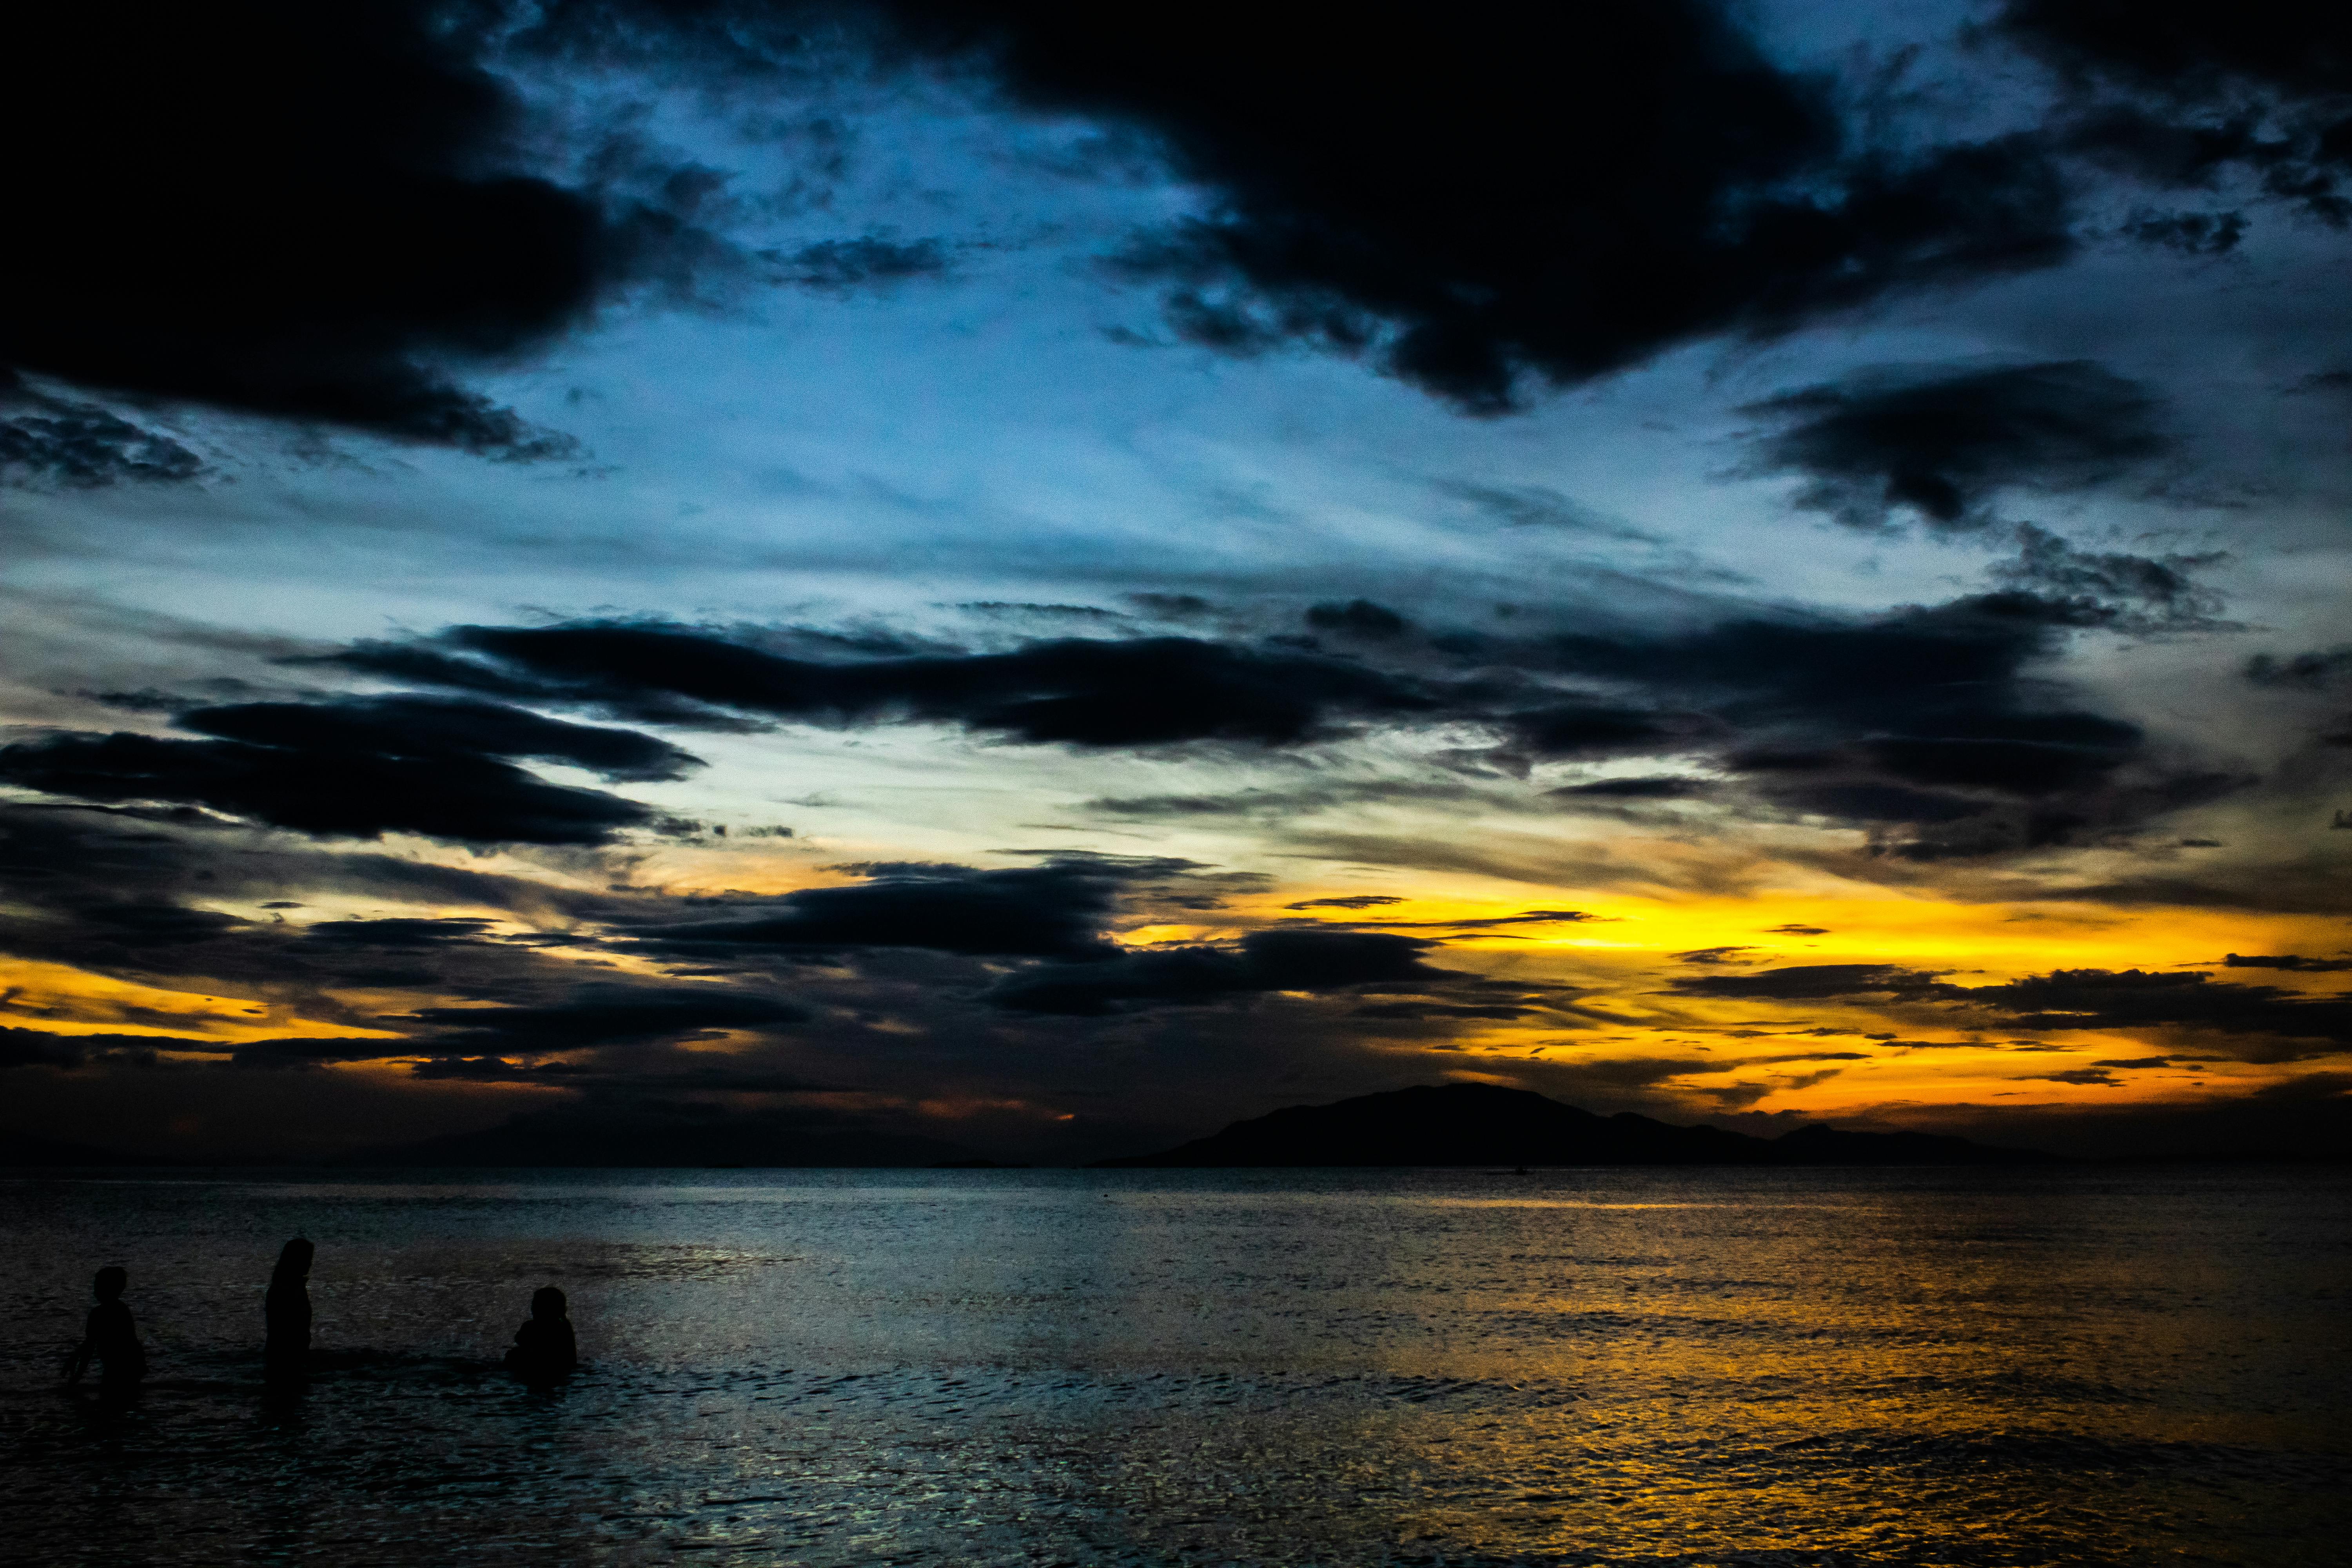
(23, 1149)
(618, 1139)
(1480, 1124)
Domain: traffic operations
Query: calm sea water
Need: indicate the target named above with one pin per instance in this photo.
(1684, 1367)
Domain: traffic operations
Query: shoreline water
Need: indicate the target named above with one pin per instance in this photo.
(2009, 1366)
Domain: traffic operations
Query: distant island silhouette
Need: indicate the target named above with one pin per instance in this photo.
(1453, 1124)
(1482, 1124)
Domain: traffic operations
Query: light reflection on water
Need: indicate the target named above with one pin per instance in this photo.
(1682, 1367)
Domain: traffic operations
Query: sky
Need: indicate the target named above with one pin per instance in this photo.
(1028, 580)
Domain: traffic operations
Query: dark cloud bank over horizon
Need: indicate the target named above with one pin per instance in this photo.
(1936, 728)
(1927, 724)
(1475, 197)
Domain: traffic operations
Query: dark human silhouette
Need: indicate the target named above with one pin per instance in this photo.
(109, 1337)
(286, 1312)
(544, 1351)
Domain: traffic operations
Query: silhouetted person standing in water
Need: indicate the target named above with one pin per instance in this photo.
(108, 1336)
(286, 1352)
(544, 1351)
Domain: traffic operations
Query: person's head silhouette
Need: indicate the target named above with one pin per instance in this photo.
(293, 1261)
(547, 1301)
(110, 1284)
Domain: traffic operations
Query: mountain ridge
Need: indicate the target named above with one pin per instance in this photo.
(1486, 1124)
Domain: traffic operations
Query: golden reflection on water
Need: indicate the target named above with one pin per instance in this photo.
(1621, 1367)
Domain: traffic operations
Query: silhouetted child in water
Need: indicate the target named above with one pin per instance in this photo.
(286, 1313)
(544, 1351)
(109, 1337)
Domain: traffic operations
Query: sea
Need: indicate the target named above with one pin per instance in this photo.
(1694, 1367)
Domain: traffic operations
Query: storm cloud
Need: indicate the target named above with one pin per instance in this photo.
(1077, 691)
(1924, 725)
(597, 1014)
(1262, 962)
(2067, 999)
(2182, 93)
(363, 768)
(349, 206)
(1665, 180)
(364, 207)
(1054, 910)
(66, 441)
(1937, 445)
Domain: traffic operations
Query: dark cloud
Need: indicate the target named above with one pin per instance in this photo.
(2287, 960)
(1817, 983)
(1664, 787)
(37, 1048)
(1054, 910)
(1076, 691)
(1416, 1011)
(2097, 1077)
(1489, 192)
(59, 859)
(2190, 234)
(2066, 999)
(361, 768)
(1938, 445)
(363, 205)
(673, 1077)
(1262, 962)
(1351, 901)
(2130, 592)
(40, 1048)
(1598, 730)
(138, 925)
(2018, 753)
(397, 933)
(1877, 802)
(1796, 930)
(1714, 955)
(1279, 803)
(443, 726)
(360, 205)
(2182, 92)
(1923, 725)
(1489, 922)
(869, 262)
(1359, 618)
(599, 1015)
(1958, 662)
(2313, 671)
(299, 1053)
(1927, 726)
(347, 204)
(2134, 999)
(63, 441)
